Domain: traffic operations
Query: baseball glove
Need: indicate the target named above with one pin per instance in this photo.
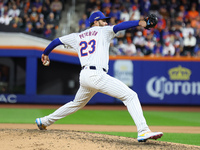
(151, 21)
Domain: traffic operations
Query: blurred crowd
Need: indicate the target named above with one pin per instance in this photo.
(36, 16)
(176, 34)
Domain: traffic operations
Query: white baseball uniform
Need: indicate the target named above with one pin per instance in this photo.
(92, 46)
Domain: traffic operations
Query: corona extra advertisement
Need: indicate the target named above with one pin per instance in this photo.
(171, 84)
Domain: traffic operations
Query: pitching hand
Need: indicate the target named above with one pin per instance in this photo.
(45, 60)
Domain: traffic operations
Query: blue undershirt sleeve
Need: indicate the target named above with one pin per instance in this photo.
(51, 46)
(125, 25)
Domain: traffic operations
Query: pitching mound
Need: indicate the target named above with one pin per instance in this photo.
(33, 139)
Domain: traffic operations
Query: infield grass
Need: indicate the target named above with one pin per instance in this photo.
(113, 117)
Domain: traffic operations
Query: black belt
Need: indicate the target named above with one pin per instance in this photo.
(93, 68)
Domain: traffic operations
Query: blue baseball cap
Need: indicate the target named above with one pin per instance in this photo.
(98, 15)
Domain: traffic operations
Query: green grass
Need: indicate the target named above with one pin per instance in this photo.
(113, 117)
(102, 117)
(172, 118)
(183, 138)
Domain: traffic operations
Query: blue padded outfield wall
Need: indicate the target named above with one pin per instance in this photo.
(158, 81)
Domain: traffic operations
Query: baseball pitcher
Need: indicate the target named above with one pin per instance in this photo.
(92, 46)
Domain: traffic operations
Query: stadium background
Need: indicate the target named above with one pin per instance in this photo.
(158, 79)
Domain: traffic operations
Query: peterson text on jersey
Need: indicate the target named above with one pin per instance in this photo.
(88, 33)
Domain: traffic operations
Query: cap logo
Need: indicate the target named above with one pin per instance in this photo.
(97, 18)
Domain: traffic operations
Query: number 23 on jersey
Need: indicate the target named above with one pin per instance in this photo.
(87, 48)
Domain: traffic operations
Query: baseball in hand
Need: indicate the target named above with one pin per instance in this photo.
(47, 63)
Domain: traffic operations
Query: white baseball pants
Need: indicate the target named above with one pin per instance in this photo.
(93, 81)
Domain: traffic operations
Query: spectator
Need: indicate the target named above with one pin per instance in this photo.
(3, 11)
(48, 31)
(95, 9)
(197, 50)
(197, 35)
(189, 44)
(56, 6)
(130, 49)
(127, 4)
(139, 41)
(5, 19)
(45, 12)
(178, 48)
(158, 49)
(17, 22)
(193, 13)
(117, 5)
(38, 28)
(186, 4)
(182, 13)
(27, 6)
(38, 5)
(112, 21)
(106, 4)
(51, 21)
(164, 4)
(195, 23)
(51, 24)
(115, 13)
(198, 53)
(186, 30)
(14, 11)
(128, 36)
(39, 25)
(165, 33)
(168, 48)
(154, 6)
(82, 27)
(89, 7)
(134, 13)
(174, 5)
(25, 19)
(41, 20)
(164, 12)
(178, 37)
(173, 9)
(34, 14)
(106, 11)
(47, 4)
(146, 7)
(84, 20)
(1, 6)
(136, 3)
(98, 4)
(149, 45)
(124, 15)
(29, 27)
(121, 47)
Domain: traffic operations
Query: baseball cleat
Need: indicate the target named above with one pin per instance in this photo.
(39, 124)
(149, 135)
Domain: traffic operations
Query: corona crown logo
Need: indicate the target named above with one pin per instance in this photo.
(179, 73)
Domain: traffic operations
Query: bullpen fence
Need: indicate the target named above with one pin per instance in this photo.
(158, 81)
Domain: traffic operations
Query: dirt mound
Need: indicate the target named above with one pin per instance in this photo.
(33, 139)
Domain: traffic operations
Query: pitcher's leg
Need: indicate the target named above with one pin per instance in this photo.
(134, 108)
(115, 88)
(82, 97)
